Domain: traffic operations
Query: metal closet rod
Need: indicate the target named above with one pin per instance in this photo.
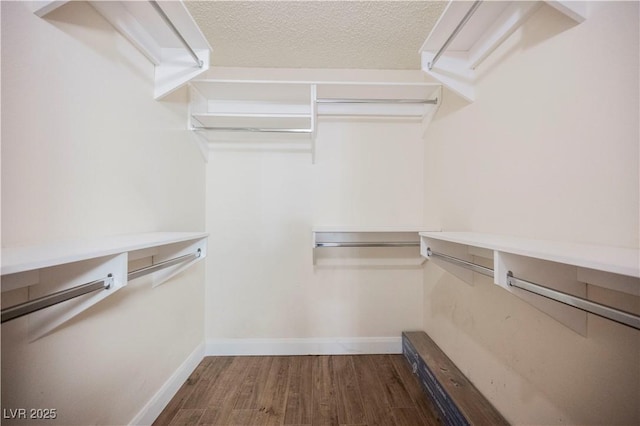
(469, 265)
(608, 312)
(161, 265)
(376, 101)
(455, 32)
(34, 305)
(173, 28)
(369, 244)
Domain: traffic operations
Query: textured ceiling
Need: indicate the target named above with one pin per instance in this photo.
(316, 34)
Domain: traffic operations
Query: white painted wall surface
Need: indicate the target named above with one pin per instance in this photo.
(262, 205)
(87, 152)
(549, 150)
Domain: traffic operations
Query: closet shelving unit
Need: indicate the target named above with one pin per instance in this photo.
(551, 275)
(252, 111)
(371, 242)
(468, 32)
(53, 283)
(231, 111)
(163, 31)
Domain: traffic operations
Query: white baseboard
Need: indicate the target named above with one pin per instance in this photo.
(159, 401)
(302, 346)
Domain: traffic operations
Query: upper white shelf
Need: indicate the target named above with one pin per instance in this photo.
(365, 236)
(474, 30)
(22, 259)
(333, 98)
(617, 260)
(251, 111)
(377, 99)
(336, 246)
(49, 274)
(160, 41)
(275, 110)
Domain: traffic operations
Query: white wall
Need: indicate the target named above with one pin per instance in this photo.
(549, 150)
(261, 206)
(87, 152)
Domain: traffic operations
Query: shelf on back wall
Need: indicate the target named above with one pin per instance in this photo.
(481, 28)
(143, 23)
(64, 279)
(273, 113)
(366, 246)
(546, 274)
(288, 111)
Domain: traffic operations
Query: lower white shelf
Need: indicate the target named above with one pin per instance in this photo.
(366, 246)
(544, 271)
(52, 283)
(617, 260)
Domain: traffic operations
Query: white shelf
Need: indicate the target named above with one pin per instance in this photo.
(30, 273)
(491, 24)
(623, 261)
(222, 111)
(378, 229)
(214, 115)
(379, 91)
(146, 30)
(291, 97)
(560, 271)
(21, 259)
(347, 246)
(248, 120)
(275, 111)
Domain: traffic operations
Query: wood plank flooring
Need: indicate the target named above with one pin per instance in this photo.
(358, 390)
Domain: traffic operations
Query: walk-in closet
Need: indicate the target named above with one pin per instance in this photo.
(320, 212)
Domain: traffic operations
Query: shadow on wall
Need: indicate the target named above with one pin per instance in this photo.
(554, 361)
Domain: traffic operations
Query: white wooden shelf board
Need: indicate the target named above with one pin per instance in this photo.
(253, 90)
(281, 97)
(490, 25)
(29, 273)
(21, 259)
(206, 82)
(268, 114)
(250, 105)
(214, 115)
(565, 267)
(365, 235)
(266, 141)
(418, 91)
(617, 260)
(416, 229)
(366, 246)
(254, 120)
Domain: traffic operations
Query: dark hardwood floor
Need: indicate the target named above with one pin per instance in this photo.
(301, 390)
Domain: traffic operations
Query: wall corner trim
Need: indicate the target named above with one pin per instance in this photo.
(148, 414)
(305, 346)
